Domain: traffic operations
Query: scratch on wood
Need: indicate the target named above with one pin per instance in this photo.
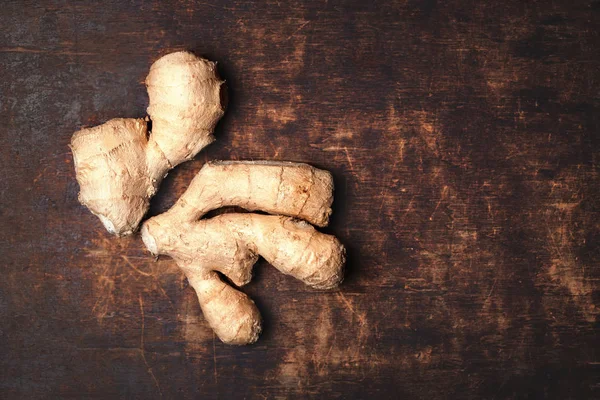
(19, 49)
(124, 257)
(492, 289)
(215, 358)
(386, 185)
(361, 318)
(154, 278)
(298, 30)
(142, 347)
(442, 198)
(351, 165)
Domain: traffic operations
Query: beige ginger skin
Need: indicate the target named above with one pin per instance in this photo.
(230, 244)
(119, 168)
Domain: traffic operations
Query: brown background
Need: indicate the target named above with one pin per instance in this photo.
(464, 141)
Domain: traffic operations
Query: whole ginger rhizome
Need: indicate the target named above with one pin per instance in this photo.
(119, 167)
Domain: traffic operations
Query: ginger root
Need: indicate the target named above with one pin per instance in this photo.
(230, 244)
(119, 168)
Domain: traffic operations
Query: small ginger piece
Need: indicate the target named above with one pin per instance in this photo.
(230, 244)
(119, 168)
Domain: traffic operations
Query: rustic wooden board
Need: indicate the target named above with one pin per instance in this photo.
(464, 140)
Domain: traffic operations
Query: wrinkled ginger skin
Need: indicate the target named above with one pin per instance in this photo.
(230, 244)
(231, 314)
(185, 104)
(286, 188)
(119, 169)
(110, 166)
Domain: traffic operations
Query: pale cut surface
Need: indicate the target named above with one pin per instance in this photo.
(119, 169)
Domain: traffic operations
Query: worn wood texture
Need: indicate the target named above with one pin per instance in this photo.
(464, 140)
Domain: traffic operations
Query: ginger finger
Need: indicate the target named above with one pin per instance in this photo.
(292, 189)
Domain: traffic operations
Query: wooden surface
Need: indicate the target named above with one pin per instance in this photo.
(464, 141)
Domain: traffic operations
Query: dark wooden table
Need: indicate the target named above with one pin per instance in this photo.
(464, 141)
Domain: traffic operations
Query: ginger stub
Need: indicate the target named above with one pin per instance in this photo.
(230, 244)
(119, 168)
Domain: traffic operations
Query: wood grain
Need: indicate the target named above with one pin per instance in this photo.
(464, 141)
